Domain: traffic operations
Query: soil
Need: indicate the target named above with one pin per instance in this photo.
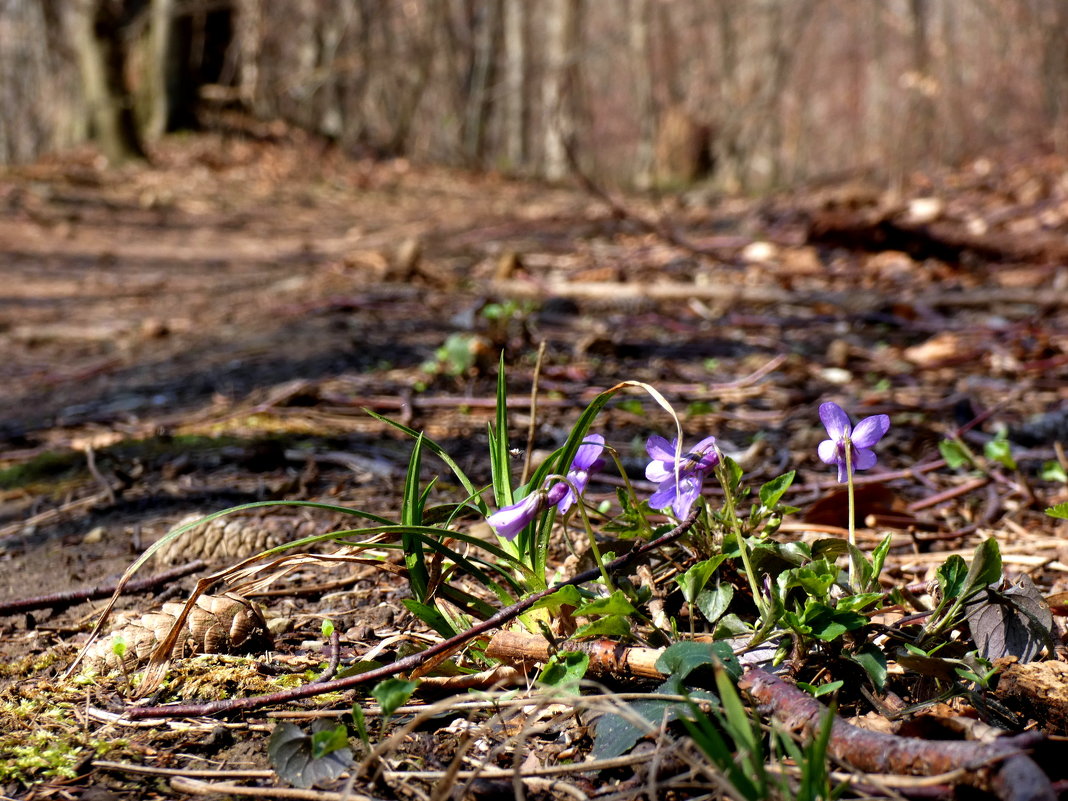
(208, 330)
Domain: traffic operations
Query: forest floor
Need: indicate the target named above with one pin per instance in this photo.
(208, 331)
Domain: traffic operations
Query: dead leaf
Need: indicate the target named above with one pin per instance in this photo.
(1013, 622)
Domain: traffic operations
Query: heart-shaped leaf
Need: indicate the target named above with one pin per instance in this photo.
(1015, 622)
(290, 751)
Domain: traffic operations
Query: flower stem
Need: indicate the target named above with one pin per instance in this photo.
(743, 546)
(593, 539)
(852, 520)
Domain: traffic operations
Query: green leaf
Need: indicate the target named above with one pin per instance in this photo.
(614, 604)
(565, 596)
(359, 720)
(999, 450)
(878, 558)
(714, 603)
(564, 670)
(951, 576)
(733, 471)
(327, 627)
(500, 459)
(611, 626)
(614, 735)
(828, 624)
(696, 577)
(1060, 511)
(412, 515)
(816, 579)
(290, 751)
(682, 658)
(854, 603)
(954, 453)
(829, 548)
(816, 690)
(430, 615)
(873, 660)
(1053, 471)
(392, 694)
(772, 491)
(328, 740)
(985, 567)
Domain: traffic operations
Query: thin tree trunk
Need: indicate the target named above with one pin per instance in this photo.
(160, 79)
(561, 40)
(515, 82)
(486, 37)
(638, 40)
(100, 64)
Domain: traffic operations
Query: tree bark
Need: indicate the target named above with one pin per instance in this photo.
(515, 83)
(100, 63)
(161, 68)
(561, 45)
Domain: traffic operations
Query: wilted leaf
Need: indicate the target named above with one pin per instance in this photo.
(290, 751)
(1016, 622)
(869, 499)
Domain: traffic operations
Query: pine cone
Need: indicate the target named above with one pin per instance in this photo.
(240, 535)
(217, 624)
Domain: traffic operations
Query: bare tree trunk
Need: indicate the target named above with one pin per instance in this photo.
(27, 83)
(561, 45)
(161, 68)
(249, 36)
(1055, 72)
(644, 102)
(486, 34)
(100, 62)
(515, 82)
(921, 100)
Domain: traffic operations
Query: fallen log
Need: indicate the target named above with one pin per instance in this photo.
(1002, 767)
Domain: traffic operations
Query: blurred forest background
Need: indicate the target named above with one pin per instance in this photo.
(749, 95)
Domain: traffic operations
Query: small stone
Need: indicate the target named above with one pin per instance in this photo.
(94, 536)
(836, 375)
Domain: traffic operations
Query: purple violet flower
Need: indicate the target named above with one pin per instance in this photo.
(587, 461)
(860, 440)
(510, 520)
(679, 483)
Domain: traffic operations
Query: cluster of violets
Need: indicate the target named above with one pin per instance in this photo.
(680, 475)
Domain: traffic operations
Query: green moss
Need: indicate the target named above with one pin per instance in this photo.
(48, 467)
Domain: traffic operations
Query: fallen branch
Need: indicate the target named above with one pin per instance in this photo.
(1001, 766)
(607, 657)
(851, 301)
(64, 599)
(409, 662)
